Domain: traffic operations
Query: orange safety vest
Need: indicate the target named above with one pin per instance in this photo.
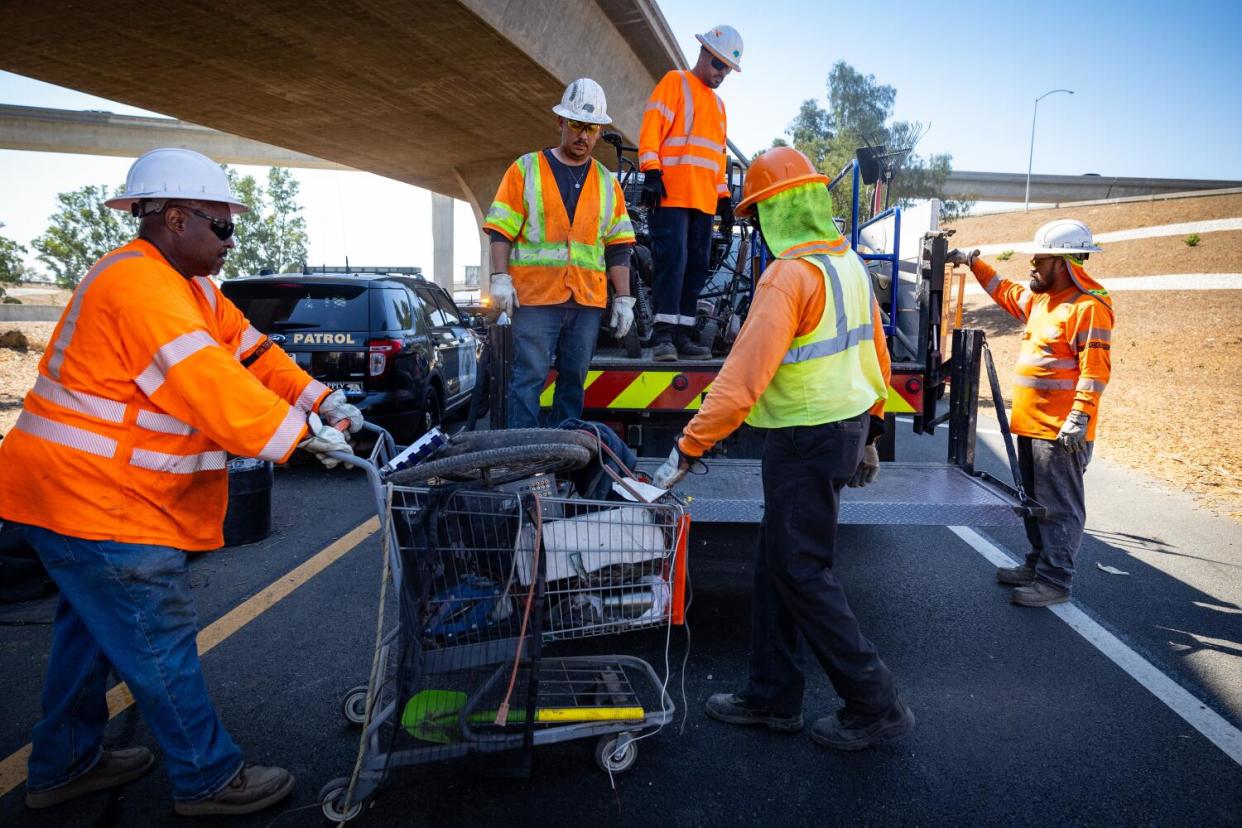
(683, 134)
(1064, 362)
(149, 379)
(552, 261)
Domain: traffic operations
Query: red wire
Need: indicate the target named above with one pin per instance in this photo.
(502, 713)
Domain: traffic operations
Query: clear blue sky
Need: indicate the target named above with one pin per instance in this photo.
(1156, 94)
(1156, 85)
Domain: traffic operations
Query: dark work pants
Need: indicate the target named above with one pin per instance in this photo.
(798, 602)
(1053, 476)
(681, 246)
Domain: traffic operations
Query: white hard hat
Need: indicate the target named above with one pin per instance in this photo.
(584, 101)
(171, 172)
(725, 43)
(1064, 236)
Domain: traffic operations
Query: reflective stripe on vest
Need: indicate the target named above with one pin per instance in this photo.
(686, 138)
(845, 336)
(179, 463)
(180, 349)
(66, 435)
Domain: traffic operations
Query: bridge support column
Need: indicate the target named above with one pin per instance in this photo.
(478, 183)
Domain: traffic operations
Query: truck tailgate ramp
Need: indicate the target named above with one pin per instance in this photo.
(911, 494)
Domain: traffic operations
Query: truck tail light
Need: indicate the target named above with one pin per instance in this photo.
(380, 356)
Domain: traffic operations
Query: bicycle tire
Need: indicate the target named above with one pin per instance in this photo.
(499, 465)
(472, 441)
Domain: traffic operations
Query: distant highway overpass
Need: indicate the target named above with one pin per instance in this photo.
(1054, 189)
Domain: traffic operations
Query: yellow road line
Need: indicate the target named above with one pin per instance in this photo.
(13, 767)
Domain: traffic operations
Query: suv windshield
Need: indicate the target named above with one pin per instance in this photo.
(286, 306)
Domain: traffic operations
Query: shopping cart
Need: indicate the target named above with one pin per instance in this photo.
(484, 577)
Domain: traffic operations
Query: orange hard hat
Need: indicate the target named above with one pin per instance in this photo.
(777, 170)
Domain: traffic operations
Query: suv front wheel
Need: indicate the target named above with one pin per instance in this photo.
(431, 412)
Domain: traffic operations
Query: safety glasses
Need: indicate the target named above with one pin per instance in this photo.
(223, 229)
(579, 126)
(1036, 263)
(719, 65)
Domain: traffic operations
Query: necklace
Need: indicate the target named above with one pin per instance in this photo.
(582, 177)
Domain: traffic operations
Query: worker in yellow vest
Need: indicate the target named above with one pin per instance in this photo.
(810, 366)
(557, 225)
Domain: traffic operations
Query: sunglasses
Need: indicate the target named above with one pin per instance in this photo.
(719, 65)
(579, 126)
(223, 229)
(1035, 263)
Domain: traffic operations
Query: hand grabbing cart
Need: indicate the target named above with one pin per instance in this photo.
(486, 570)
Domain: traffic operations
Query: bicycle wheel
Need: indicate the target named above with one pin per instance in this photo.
(498, 465)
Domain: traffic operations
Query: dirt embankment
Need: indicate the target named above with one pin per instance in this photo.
(1000, 228)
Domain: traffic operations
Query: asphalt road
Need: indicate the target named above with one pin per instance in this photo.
(1021, 720)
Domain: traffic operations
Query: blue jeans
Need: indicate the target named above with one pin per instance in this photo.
(681, 249)
(126, 607)
(545, 337)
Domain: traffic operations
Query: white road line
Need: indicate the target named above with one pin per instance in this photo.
(1202, 718)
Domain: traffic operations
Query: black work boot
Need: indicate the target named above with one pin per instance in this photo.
(735, 708)
(662, 349)
(1015, 575)
(845, 731)
(687, 346)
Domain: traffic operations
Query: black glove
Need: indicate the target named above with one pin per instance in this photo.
(875, 430)
(653, 188)
(724, 209)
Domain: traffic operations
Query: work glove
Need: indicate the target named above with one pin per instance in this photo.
(724, 209)
(622, 315)
(335, 408)
(675, 467)
(653, 188)
(1073, 435)
(503, 293)
(323, 439)
(962, 257)
(868, 470)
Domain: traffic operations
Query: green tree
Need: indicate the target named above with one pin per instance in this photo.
(12, 268)
(82, 230)
(273, 234)
(857, 115)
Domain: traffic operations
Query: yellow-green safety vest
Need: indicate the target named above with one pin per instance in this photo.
(833, 372)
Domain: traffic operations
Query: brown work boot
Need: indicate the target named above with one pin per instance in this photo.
(1015, 575)
(735, 708)
(115, 767)
(254, 788)
(847, 732)
(1040, 594)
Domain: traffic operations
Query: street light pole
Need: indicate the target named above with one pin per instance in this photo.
(1031, 157)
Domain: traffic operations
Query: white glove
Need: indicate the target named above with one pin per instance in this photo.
(1073, 436)
(323, 439)
(335, 408)
(671, 473)
(503, 293)
(622, 315)
(868, 470)
(962, 257)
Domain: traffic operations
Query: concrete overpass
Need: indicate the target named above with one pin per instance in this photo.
(1053, 189)
(442, 94)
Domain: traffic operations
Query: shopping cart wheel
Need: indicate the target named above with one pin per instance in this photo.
(613, 756)
(332, 800)
(354, 705)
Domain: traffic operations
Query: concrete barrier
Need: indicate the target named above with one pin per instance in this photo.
(30, 313)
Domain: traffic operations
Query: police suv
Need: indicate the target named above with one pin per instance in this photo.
(396, 344)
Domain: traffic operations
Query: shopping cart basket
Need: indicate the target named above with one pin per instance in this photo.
(484, 576)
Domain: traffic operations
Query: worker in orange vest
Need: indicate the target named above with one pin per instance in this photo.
(116, 468)
(560, 232)
(681, 152)
(1063, 367)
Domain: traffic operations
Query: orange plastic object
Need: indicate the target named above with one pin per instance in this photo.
(679, 570)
